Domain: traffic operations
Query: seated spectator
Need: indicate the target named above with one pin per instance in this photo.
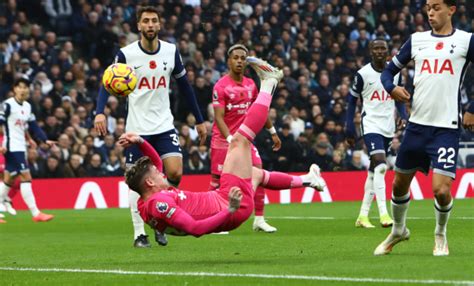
(54, 168)
(74, 168)
(94, 168)
(194, 164)
(114, 166)
(356, 162)
(321, 156)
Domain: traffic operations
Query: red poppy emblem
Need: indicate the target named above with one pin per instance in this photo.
(152, 65)
(439, 46)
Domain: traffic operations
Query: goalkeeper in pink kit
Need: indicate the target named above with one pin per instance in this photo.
(180, 212)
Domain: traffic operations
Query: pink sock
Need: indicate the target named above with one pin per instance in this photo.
(259, 200)
(256, 116)
(279, 180)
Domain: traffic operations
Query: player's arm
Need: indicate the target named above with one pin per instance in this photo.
(4, 113)
(401, 109)
(276, 140)
(354, 94)
(38, 133)
(130, 138)
(179, 73)
(100, 120)
(403, 57)
(218, 103)
(468, 120)
(167, 210)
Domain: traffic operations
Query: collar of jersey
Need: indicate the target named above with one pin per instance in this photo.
(147, 52)
(443, 36)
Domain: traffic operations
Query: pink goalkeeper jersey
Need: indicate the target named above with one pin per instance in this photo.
(162, 208)
(236, 99)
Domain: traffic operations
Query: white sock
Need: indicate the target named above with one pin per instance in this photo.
(268, 85)
(4, 190)
(258, 218)
(368, 194)
(29, 198)
(442, 217)
(138, 224)
(399, 212)
(379, 188)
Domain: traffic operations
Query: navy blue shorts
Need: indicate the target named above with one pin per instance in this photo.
(15, 163)
(423, 146)
(376, 143)
(166, 144)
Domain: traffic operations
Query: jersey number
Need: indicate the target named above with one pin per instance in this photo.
(174, 139)
(442, 155)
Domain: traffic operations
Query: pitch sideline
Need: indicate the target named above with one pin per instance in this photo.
(241, 275)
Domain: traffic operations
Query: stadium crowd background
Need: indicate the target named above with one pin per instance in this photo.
(63, 46)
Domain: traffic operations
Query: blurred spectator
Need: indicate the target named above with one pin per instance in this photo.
(54, 168)
(94, 168)
(74, 168)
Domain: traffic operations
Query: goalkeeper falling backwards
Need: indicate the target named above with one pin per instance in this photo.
(180, 212)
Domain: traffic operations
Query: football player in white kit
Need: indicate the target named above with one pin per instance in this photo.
(16, 118)
(149, 113)
(377, 128)
(441, 58)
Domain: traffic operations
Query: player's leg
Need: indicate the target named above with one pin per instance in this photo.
(237, 169)
(140, 238)
(411, 157)
(443, 151)
(238, 160)
(279, 181)
(167, 145)
(29, 198)
(363, 218)
(8, 180)
(380, 169)
(442, 207)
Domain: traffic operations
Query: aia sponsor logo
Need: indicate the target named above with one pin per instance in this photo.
(380, 96)
(437, 66)
(152, 83)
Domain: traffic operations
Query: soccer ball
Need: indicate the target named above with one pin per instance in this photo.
(119, 79)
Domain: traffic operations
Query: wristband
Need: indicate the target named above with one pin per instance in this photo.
(229, 138)
(272, 130)
(140, 140)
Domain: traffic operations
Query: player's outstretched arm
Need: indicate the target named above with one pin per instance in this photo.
(100, 120)
(183, 221)
(131, 138)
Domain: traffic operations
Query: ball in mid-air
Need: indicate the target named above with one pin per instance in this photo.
(119, 79)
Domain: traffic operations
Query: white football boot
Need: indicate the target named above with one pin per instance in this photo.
(386, 246)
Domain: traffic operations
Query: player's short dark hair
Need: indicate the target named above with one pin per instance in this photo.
(378, 39)
(450, 2)
(134, 175)
(21, 80)
(237, 47)
(149, 9)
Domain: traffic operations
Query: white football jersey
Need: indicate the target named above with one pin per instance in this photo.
(378, 108)
(16, 117)
(440, 66)
(149, 105)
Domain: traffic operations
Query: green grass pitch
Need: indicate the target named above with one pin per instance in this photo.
(315, 244)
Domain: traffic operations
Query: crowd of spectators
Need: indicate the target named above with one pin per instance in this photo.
(63, 46)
